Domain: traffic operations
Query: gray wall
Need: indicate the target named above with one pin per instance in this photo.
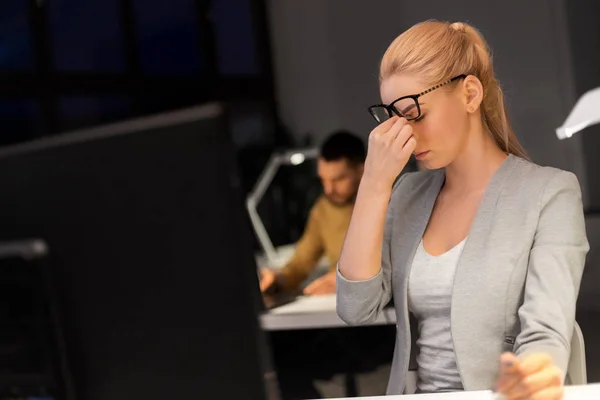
(584, 40)
(584, 35)
(305, 78)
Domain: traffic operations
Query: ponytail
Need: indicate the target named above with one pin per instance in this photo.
(495, 118)
(494, 113)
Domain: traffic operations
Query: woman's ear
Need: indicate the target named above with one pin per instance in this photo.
(472, 93)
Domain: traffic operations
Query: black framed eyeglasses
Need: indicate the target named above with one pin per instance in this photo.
(406, 106)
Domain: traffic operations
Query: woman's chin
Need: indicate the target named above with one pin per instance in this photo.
(427, 164)
(432, 162)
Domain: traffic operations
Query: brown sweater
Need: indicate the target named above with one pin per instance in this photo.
(323, 235)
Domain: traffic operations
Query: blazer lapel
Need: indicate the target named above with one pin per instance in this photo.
(409, 229)
(470, 302)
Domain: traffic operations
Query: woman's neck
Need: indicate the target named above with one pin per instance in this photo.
(474, 167)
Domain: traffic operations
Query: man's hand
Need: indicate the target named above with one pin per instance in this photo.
(267, 279)
(323, 285)
(533, 378)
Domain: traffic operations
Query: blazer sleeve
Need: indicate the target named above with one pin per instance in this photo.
(361, 302)
(309, 250)
(556, 263)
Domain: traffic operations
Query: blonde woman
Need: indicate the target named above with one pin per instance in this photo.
(484, 248)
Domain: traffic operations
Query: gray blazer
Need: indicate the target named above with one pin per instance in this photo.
(516, 282)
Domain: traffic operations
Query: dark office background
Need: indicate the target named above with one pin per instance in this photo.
(68, 64)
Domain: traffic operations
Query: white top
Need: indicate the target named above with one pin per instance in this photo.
(429, 299)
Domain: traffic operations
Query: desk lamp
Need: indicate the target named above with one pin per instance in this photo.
(274, 257)
(585, 113)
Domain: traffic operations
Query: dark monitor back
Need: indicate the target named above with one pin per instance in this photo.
(150, 254)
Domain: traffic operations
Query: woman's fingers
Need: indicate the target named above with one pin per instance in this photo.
(534, 377)
(405, 133)
(535, 362)
(510, 373)
(536, 382)
(385, 126)
(396, 130)
(405, 143)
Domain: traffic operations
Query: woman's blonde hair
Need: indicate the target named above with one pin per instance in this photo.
(438, 51)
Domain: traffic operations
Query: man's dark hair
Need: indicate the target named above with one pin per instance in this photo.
(343, 145)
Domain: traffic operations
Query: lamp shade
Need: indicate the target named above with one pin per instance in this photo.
(585, 113)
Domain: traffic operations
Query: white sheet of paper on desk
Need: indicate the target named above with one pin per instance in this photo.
(308, 304)
(478, 395)
(584, 392)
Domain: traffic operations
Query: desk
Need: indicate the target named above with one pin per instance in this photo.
(587, 392)
(314, 312)
(318, 312)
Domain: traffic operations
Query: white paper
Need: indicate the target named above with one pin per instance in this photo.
(585, 392)
(479, 395)
(308, 304)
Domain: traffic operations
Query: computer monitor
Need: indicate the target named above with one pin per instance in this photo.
(150, 253)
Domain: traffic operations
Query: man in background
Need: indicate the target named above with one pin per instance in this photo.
(340, 167)
(303, 356)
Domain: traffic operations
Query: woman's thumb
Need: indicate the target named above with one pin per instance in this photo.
(509, 364)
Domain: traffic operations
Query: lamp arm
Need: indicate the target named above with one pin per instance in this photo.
(258, 191)
(261, 232)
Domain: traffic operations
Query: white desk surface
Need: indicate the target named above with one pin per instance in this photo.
(313, 312)
(587, 392)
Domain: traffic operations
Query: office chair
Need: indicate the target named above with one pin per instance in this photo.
(576, 369)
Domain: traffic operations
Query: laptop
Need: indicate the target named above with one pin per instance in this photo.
(274, 300)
